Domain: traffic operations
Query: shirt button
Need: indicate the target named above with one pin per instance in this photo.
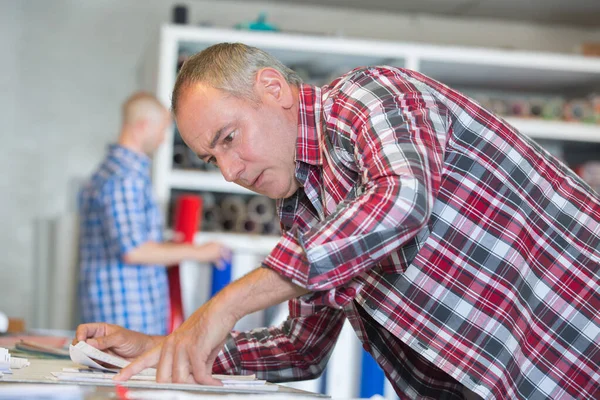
(289, 208)
(350, 292)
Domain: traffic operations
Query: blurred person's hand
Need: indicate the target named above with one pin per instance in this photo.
(214, 252)
(115, 339)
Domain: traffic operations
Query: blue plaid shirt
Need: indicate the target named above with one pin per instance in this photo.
(118, 213)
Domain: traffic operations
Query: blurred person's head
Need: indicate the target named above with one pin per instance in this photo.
(237, 107)
(144, 122)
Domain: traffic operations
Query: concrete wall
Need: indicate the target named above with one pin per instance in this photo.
(66, 65)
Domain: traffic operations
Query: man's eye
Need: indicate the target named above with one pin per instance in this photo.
(229, 138)
(212, 160)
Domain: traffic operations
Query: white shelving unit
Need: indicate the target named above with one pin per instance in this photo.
(456, 66)
(469, 68)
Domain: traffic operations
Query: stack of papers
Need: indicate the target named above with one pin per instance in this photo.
(41, 350)
(102, 367)
(7, 363)
(4, 361)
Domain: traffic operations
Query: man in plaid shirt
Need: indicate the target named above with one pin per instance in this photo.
(462, 253)
(123, 278)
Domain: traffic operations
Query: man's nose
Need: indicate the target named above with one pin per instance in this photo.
(231, 168)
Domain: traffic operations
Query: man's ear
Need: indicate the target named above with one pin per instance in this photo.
(271, 85)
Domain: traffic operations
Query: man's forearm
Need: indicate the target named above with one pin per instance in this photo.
(152, 253)
(258, 290)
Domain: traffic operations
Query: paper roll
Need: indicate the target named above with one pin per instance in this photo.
(261, 209)
(272, 228)
(233, 207)
(233, 213)
(249, 226)
(194, 161)
(188, 209)
(212, 219)
(536, 108)
(519, 108)
(180, 159)
(595, 101)
(553, 109)
(3, 322)
(578, 110)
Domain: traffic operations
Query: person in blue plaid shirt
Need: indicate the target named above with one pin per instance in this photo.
(123, 278)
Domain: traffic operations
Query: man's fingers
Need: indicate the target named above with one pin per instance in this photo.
(106, 342)
(210, 361)
(215, 352)
(146, 360)
(181, 365)
(86, 331)
(165, 365)
(203, 375)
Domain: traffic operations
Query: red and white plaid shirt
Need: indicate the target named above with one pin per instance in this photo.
(461, 252)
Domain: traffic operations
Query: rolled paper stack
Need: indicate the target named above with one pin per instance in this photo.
(553, 109)
(211, 215)
(272, 227)
(194, 161)
(578, 110)
(180, 159)
(595, 101)
(519, 108)
(261, 209)
(233, 213)
(536, 107)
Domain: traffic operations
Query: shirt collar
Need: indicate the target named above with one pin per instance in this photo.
(128, 158)
(308, 148)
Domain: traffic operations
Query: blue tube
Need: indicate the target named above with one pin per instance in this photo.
(372, 377)
(220, 277)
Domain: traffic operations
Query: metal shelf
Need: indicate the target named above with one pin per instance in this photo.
(557, 130)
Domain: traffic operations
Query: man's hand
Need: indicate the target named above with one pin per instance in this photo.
(115, 339)
(188, 354)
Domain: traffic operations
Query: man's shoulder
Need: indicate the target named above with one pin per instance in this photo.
(106, 181)
(367, 81)
(362, 75)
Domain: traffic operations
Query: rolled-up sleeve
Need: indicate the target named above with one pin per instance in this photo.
(298, 349)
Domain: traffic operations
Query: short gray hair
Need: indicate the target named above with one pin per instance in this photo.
(230, 67)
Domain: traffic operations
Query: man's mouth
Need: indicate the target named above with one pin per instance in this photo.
(256, 180)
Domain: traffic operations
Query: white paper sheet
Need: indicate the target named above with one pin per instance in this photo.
(84, 354)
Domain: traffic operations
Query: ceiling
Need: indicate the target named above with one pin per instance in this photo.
(579, 13)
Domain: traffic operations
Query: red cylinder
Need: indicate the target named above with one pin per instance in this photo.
(186, 221)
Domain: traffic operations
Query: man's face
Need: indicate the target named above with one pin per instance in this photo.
(153, 131)
(253, 145)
